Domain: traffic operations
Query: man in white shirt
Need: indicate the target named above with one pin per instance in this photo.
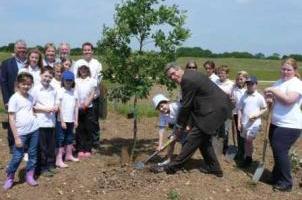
(95, 70)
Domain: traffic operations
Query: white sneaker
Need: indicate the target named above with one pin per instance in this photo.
(164, 163)
(25, 157)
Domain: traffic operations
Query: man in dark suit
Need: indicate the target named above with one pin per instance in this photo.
(9, 72)
(208, 107)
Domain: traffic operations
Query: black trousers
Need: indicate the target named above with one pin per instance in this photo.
(197, 139)
(95, 122)
(85, 131)
(240, 140)
(281, 140)
(46, 150)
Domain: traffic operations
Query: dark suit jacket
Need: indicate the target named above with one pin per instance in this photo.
(204, 102)
(9, 72)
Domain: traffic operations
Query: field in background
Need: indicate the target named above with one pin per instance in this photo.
(267, 70)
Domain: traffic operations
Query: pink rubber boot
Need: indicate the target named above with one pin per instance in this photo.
(8, 184)
(30, 178)
(59, 158)
(69, 156)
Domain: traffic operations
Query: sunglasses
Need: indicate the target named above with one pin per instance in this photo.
(191, 67)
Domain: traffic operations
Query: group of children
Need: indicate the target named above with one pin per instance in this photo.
(249, 106)
(49, 103)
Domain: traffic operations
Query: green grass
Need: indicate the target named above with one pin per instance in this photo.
(262, 69)
(4, 55)
(143, 109)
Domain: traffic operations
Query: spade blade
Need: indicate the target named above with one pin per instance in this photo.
(258, 173)
(138, 165)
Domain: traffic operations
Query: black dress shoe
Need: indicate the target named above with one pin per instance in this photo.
(282, 188)
(207, 170)
(170, 170)
(156, 169)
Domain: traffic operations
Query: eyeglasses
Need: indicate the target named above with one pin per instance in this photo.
(191, 67)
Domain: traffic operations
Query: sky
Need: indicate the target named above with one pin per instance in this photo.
(267, 26)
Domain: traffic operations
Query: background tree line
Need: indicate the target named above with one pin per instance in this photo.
(10, 48)
(205, 53)
(188, 52)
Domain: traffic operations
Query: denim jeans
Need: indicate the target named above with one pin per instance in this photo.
(31, 140)
(64, 136)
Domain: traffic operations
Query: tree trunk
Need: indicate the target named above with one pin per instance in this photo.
(134, 128)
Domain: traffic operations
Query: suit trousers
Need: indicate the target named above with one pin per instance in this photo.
(197, 139)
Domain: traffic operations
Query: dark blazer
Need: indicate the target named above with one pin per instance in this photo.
(204, 102)
(9, 72)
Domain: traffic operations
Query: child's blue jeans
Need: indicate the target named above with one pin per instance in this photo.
(31, 140)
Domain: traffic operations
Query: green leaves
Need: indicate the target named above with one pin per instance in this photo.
(137, 23)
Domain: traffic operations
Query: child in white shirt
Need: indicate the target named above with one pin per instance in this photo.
(25, 130)
(226, 85)
(252, 105)
(85, 87)
(45, 108)
(68, 118)
(167, 118)
(238, 91)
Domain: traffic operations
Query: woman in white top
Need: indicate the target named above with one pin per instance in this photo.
(33, 65)
(86, 88)
(286, 93)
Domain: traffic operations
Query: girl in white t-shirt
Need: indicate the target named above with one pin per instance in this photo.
(85, 87)
(56, 81)
(34, 65)
(237, 92)
(68, 118)
(226, 85)
(25, 129)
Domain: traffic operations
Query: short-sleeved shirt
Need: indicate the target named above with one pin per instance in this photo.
(67, 100)
(226, 86)
(56, 84)
(237, 94)
(45, 97)
(22, 107)
(169, 118)
(288, 116)
(84, 87)
(251, 104)
(35, 72)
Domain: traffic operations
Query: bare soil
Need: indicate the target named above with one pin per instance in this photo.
(107, 175)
